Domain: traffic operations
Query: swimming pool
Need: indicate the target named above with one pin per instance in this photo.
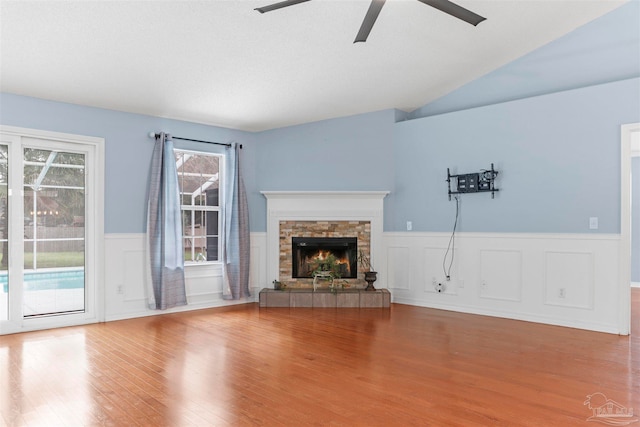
(48, 279)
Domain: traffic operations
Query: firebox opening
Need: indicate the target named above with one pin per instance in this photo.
(310, 253)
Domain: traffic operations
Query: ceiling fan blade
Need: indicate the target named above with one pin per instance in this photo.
(279, 5)
(370, 18)
(454, 10)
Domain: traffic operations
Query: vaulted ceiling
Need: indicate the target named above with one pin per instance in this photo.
(222, 63)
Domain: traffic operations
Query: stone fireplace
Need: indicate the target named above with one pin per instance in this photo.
(294, 216)
(342, 239)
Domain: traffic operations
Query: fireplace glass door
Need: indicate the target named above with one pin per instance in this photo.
(335, 254)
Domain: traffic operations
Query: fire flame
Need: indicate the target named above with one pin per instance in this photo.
(323, 255)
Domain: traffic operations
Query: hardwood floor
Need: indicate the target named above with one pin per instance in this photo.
(242, 366)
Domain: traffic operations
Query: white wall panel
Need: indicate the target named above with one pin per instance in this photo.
(436, 267)
(131, 260)
(569, 279)
(125, 293)
(398, 259)
(501, 274)
(258, 271)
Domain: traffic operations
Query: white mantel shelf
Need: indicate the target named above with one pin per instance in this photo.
(324, 206)
(324, 194)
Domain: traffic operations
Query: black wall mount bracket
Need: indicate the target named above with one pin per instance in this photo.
(478, 182)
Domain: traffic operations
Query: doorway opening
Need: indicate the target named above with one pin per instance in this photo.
(629, 134)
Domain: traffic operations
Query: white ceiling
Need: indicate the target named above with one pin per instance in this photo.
(222, 63)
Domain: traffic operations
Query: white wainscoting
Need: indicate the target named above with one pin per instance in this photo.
(560, 279)
(125, 295)
(516, 276)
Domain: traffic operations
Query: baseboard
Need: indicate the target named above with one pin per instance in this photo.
(526, 317)
(184, 308)
(635, 284)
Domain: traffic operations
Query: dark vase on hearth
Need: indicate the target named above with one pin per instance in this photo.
(370, 277)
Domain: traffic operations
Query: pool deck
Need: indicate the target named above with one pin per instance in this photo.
(46, 301)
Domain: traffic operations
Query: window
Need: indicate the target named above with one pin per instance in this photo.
(200, 185)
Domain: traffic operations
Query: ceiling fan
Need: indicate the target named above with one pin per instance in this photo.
(376, 6)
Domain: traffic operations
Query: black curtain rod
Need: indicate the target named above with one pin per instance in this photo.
(153, 135)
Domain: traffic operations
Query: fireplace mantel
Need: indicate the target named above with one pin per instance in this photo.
(324, 206)
(373, 195)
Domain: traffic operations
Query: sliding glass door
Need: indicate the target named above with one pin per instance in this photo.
(54, 233)
(48, 236)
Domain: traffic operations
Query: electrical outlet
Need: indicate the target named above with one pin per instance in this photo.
(409, 226)
(562, 293)
(593, 223)
(120, 290)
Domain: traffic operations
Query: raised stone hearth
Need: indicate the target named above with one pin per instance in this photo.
(380, 298)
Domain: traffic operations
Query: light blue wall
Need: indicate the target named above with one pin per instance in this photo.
(602, 51)
(558, 157)
(349, 153)
(128, 148)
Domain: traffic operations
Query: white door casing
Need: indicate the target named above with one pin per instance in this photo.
(624, 300)
(92, 148)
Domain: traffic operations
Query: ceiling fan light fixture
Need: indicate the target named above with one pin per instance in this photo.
(376, 6)
(454, 10)
(369, 19)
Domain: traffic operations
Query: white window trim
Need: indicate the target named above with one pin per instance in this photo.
(220, 208)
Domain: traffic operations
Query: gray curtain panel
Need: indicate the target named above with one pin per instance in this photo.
(164, 229)
(237, 246)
